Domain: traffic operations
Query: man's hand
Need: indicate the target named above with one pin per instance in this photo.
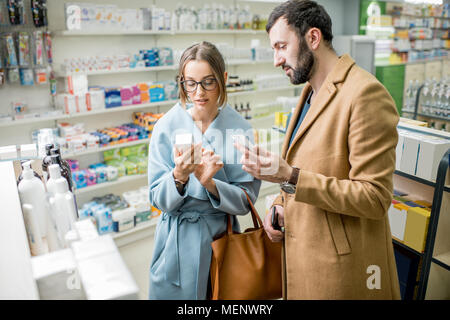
(274, 235)
(263, 164)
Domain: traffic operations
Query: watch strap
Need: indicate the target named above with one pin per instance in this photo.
(294, 176)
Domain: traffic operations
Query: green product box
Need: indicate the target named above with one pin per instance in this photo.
(141, 163)
(121, 169)
(131, 168)
(137, 150)
(143, 216)
(113, 154)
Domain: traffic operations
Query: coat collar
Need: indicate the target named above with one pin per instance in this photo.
(321, 101)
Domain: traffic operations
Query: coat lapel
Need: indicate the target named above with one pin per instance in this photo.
(324, 96)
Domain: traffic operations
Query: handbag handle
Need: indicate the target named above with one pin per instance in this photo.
(255, 216)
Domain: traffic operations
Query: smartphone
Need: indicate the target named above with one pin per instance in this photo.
(275, 224)
(243, 140)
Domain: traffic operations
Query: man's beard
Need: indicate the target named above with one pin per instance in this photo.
(305, 64)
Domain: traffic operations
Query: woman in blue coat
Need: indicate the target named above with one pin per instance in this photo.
(197, 185)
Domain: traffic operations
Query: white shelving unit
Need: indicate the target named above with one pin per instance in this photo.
(101, 149)
(236, 62)
(129, 108)
(107, 185)
(66, 33)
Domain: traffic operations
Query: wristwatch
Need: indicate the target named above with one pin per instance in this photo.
(290, 185)
(180, 185)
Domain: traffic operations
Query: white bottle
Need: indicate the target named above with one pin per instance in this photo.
(32, 192)
(35, 240)
(55, 174)
(64, 211)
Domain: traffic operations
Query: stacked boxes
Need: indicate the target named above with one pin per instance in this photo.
(409, 221)
(419, 154)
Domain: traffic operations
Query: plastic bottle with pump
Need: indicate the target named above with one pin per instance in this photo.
(47, 160)
(63, 208)
(32, 193)
(65, 168)
(21, 175)
(55, 175)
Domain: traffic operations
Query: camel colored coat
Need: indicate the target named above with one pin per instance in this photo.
(338, 241)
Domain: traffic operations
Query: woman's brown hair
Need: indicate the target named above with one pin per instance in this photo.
(208, 52)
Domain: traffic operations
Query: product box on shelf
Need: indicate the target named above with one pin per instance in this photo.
(144, 92)
(397, 219)
(432, 150)
(419, 154)
(112, 97)
(156, 91)
(416, 228)
(124, 219)
(408, 219)
(76, 84)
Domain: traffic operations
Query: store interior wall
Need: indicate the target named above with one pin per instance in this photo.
(137, 255)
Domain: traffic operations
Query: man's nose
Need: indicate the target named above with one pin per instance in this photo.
(278, 60)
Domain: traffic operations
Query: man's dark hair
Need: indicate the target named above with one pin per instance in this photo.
(303, 15)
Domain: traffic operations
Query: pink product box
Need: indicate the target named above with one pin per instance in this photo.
(126, 95)
(136, 95)
(74, 164)
(91, 177)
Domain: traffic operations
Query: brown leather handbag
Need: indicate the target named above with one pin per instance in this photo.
(246, 266)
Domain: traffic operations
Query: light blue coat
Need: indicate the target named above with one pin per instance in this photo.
(189, 222)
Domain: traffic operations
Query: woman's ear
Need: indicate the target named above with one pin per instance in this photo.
(225, 76)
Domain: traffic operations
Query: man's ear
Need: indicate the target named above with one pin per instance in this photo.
(313, 38)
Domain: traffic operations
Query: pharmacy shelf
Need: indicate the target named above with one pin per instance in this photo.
(141, 231)
(442, 260)
(107, 185)
(242, 93)
(153, 33)
(129, 108)
(12, 123)
(97, 150)
(235, 62)
(144, 225)
(283, 131)
(420, 180)
(404, 246)
(416, 16)
(117, 71)
(433, 117)
(133, 107)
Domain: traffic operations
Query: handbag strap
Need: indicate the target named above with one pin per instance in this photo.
(257, 222)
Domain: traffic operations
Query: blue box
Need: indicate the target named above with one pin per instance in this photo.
(156, 92)
(112, 97)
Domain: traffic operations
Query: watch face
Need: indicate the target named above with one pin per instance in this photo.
(288, 188)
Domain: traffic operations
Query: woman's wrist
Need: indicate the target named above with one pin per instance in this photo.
(180, 177)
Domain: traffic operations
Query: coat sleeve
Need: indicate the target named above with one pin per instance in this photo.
(232, 197)
(278, 201)
(372, 140)
(163, 192)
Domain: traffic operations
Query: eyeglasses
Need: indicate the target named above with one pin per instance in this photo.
(208, 84)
